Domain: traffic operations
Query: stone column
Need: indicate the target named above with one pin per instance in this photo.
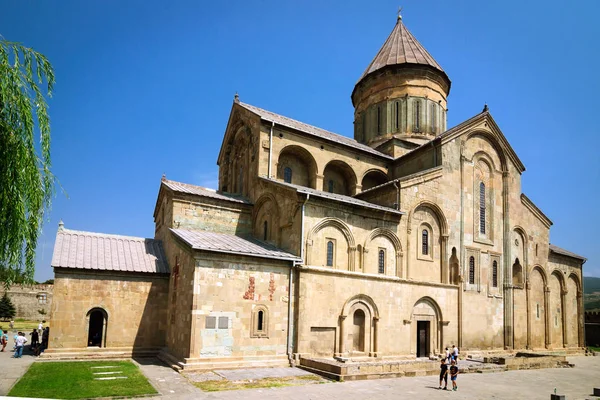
(528, 295)
(444, 255)
(375, 347)
(319, 181)
(408, 235)
(399, 264)
(547, 316)
(508, 288)
(580, 319)
(351, 258)
(563, 302)
(342, 342)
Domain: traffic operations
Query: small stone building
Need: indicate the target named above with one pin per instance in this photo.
(400, 242)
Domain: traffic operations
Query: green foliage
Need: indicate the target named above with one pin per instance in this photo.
(41, 311)
(75, 380)
(7, 308)
(48, 282)
(27, 183)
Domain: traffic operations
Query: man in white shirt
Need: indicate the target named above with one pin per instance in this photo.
(40, 327)
(455, 352)
(20, 343)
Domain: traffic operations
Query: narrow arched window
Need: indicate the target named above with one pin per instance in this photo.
(265, 230)
(397, 115)
(330, 253)
(495, 274)
(482, 207)
(472, 270)
(425, 242)
(382, 261)
(417, 126)
(260, 321)
(330, 186)
(378, 120)
(287, 175)
(537, 313)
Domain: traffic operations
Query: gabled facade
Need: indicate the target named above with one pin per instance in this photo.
(399, 243)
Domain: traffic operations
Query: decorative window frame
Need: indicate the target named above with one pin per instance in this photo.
(254, 331)
(327, 240)
(478, 178)
(495, 291)
(287, 169)
(42, 298)
(476, 285)
(430, 237)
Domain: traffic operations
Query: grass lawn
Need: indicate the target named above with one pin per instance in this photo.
(594, 348)
(22, 325)
(75, 380)
(216, 386)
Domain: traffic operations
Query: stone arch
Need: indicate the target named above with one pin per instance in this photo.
(339, 178)
(266, 209)
(345, 231)
(519, 253)
(538, 282)
(373, 177)
(426, 310)
(493, 140)
(96, 323)
(360, 317)
(393, 238)
(413, 250)
(302, 163)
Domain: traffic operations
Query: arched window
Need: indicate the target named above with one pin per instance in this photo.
(287, 175)
(425, 243)
(381, 261)
(330, 186)
(260, 322)
(472, 270)
(397, 116)
(378, 120)
(417, 126)
(495, 274)
(265, 230)
(330, 247)
(537, 313)
(482, 208)
(433, 118)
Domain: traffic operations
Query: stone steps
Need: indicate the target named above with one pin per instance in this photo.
(95, 354)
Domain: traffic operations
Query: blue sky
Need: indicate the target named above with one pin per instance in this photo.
(145, 88)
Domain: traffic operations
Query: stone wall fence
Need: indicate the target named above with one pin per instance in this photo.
(31, 301)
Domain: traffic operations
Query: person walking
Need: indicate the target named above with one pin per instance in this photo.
(4, 340)
(448, 356)
(20, 343)
(455, 353)
(11, 324)
(40, 327)
(444, 374)
(454, 375)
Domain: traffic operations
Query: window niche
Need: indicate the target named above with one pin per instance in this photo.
(517, 274)
(260, 322)
(483, 204)
(330, 252)
(381, 261)
(472, 272)
(495, 276)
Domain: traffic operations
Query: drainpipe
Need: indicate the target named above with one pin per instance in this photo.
(291, 289)
(270, 149)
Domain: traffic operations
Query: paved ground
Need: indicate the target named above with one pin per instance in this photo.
(575, 383)
(12, 368)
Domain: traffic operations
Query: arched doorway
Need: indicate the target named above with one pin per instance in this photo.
(427, 328)
(358, 327)
(97, 319)
(358, 333)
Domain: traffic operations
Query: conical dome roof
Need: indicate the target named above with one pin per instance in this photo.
(401, 47)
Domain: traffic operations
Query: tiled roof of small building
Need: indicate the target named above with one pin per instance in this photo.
(180, 187)
(561, 251)
(312, 130)
(337, 197)
(231, 244)
(103, 252)
(401, 47)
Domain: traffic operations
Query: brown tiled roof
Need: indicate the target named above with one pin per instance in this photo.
(103, 252)
(337, 197)
(401, 47)
(180, 187)
(558, 250)
(231, 244)
(312, 130)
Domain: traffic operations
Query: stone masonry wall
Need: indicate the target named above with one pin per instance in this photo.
(29, 300)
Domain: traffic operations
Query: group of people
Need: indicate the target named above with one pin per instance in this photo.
(20, 340)
(451, 359)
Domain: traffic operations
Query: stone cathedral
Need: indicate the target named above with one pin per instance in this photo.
(400, 242)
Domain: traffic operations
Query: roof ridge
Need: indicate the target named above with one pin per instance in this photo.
(104, 235)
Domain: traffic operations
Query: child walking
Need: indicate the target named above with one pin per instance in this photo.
(453, 375)
(444, 374)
